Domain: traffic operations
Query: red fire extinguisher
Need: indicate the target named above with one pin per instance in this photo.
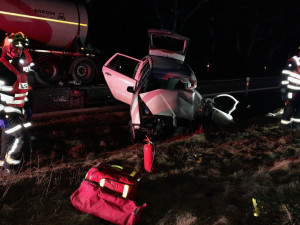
(149, 156)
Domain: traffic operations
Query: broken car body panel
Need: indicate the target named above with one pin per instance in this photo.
(223, 117)
(160, 88)
(172, 103)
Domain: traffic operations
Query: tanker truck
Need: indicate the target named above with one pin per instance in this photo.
(57, 31)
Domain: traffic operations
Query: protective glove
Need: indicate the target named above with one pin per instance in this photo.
(4, 123)
(28, 114)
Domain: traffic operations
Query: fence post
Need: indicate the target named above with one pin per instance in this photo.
(247, 86)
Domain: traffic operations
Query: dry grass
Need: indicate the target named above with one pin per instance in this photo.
(238, 163)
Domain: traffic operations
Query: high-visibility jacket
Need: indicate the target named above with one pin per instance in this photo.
(290, 88)
(13, 98)
(290, 84)
(13, 88)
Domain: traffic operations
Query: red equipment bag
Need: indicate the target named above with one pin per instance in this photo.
(116, 179)
(92, 199)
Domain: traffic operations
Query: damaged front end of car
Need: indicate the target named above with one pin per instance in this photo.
(161, 89)
(167, 113)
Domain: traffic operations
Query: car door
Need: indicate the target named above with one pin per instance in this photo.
(119, 72)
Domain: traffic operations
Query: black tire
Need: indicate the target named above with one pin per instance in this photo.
(83, 70)
(48, 69)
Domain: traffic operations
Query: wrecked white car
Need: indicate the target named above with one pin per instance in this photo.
(161, 88)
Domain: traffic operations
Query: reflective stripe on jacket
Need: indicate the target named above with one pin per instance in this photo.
(14, 95)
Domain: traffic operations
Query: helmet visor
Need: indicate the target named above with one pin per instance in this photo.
(18, 44)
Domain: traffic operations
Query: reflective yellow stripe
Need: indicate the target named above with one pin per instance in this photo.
(102, 182)
(133, 173)
(86, 175)
(256, 210)
(116, 166)
(41, 18)
(125, 191)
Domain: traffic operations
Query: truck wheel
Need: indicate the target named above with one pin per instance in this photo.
(48, 69)
(84, 70)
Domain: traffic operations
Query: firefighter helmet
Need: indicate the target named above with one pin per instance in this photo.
(14, 44)
(18, 40)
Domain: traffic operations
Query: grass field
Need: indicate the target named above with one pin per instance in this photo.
(251, 159)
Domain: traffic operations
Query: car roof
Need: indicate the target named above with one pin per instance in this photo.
(165, 68)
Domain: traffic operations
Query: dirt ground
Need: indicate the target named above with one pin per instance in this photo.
(252, 159)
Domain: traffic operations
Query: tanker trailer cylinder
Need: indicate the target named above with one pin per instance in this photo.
(58, 30)
(53, 23)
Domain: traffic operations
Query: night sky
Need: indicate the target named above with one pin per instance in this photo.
(237, 37)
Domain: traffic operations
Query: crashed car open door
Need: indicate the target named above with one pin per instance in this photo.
(162, 90)
(119, 72)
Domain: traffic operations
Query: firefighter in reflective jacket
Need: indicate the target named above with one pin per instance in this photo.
(15, 110)
(290, 89)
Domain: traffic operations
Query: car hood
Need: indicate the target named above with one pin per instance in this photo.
(172, 102)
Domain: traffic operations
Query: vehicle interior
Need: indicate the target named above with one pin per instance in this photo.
(173, 83)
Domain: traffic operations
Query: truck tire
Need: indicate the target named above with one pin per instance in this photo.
(84, 70)
(48, 69)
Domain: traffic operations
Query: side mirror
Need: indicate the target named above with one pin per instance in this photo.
(130, 89)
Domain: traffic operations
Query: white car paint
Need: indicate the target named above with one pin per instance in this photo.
(161, 81)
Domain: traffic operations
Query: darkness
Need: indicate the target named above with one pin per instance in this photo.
(237, 38)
